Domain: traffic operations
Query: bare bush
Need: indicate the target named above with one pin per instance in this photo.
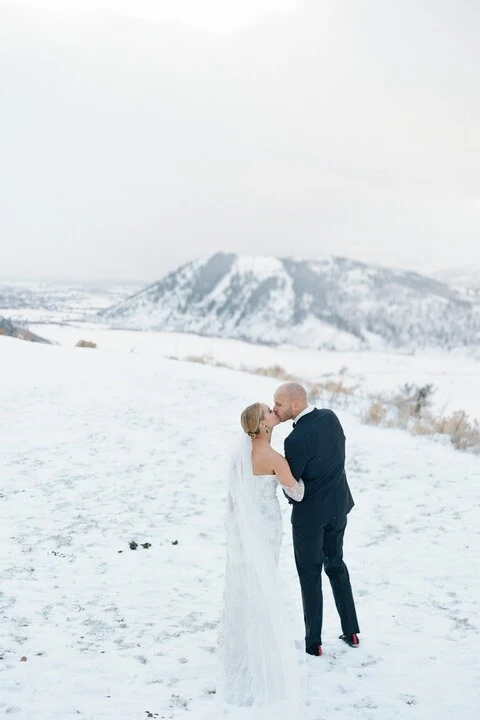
(332, 392)
(334, 387)
(464, 432)
(375, 414)
(202, 359)
(274, 371)
(86, 344)
(416, 397)
(409, 403)
(408, 409)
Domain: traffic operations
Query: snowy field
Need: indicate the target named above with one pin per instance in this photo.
(64, 312)
(455, 375)
(103, 447)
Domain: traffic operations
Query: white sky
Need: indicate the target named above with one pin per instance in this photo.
(219, 16)
(332, 126)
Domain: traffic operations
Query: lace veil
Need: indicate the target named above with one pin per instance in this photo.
(260, 666)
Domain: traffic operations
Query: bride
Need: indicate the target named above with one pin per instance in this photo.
(259, 666)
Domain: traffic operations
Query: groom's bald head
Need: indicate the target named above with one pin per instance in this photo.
(294, 391)
(290, 399)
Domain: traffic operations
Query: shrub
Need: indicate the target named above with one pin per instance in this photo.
(416, 398)
(407, 411)
(375, 414)
(86, 344)
(331, 392)
(464, 433)
(202, 359)
(274, 371)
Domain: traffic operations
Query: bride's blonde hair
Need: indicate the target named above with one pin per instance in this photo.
(251, 418)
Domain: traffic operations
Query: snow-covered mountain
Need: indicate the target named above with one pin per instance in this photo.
(333, 303)
(464, 279)
(461, 277)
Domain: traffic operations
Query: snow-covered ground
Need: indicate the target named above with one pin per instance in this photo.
(455, 375)
(103, 447)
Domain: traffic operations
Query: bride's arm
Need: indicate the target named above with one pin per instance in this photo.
(281, 468)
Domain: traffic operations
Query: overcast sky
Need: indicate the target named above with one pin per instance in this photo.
(218, 16)
(131, 144)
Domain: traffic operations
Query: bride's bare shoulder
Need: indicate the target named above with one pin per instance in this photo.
(273, 453)
(264, 460)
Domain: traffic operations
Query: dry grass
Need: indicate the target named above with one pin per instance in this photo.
(333, 392)
(201, 359)
(86, 344)
(273, 371)
(333, 387)
(467, 437)
(464, 432)
(398, 411)
(375, 414)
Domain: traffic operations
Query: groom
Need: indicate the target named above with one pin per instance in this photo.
(315, 451)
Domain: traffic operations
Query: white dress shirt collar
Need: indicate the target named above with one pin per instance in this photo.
(308, 409)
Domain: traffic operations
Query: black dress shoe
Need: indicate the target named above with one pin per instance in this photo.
(351, 640)
(315, 650)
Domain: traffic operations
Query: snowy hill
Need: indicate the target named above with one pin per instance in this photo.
(333, 303)
(9, 329)
(464, 277)
(102, 448)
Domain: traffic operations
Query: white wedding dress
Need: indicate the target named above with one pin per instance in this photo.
(260, 668)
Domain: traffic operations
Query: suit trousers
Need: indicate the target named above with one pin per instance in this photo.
(316, 546)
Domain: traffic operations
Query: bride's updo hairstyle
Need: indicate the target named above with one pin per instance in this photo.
(251, 418)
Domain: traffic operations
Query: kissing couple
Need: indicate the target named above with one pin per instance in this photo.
(260, 668)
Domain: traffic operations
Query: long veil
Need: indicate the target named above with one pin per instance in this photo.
(260, 667)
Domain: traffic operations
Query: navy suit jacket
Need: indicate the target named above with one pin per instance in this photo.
(315, 451)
